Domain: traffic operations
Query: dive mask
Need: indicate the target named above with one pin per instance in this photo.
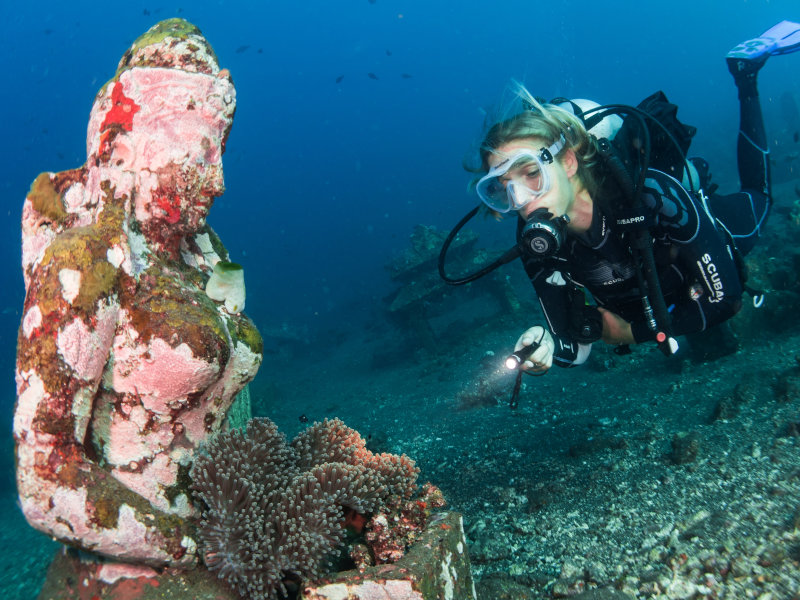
(520, 178)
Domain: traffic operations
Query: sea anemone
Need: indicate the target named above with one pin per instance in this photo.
(274, 513)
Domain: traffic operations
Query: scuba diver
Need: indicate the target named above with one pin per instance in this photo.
(659, 253)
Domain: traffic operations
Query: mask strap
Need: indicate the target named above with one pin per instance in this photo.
(547, 154)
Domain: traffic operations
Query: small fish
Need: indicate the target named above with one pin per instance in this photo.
(406, 76)
(372, 1)
(303, 419)
(241, 49)
(339, 79)
(261, 51)
(796, 136)
(388, 53)
(146, 12)
(372, 75)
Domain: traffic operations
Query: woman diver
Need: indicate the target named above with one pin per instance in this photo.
(675, 248)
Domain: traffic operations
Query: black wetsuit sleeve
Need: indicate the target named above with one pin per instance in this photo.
(555, 297)
(711, 291)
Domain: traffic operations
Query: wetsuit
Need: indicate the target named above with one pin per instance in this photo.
(694, 239)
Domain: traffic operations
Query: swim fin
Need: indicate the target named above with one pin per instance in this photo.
(783, 38)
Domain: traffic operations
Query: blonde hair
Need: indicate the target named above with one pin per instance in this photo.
(547, 122)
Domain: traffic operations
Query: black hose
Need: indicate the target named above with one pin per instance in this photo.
(601, 112)
(642, 243)
(505, 258)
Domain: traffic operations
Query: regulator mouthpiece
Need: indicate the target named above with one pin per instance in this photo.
(542, 236)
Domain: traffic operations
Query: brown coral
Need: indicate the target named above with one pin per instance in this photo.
(333, 441)
(274, 513)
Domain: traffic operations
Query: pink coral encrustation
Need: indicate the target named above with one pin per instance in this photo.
(125, 366)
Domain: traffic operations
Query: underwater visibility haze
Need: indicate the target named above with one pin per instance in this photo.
(353, 121)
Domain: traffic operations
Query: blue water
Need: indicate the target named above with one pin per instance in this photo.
(326, 180)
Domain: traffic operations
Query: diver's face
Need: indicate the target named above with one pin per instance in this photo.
(557, 199)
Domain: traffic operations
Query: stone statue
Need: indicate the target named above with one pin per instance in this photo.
(125, 364)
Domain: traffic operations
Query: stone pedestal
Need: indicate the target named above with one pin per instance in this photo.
(76, 576)
(437, 567)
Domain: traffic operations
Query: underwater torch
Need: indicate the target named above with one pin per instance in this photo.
(520, 356)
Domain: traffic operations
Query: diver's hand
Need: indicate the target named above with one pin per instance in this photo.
(542, 358)
(616, 330)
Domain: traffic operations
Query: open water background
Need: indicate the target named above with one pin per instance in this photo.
(325, 180)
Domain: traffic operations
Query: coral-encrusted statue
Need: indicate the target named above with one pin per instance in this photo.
(125, 365)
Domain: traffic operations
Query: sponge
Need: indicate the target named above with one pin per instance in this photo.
(226, 284)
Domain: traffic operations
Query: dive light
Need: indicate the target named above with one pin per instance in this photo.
(520, 356)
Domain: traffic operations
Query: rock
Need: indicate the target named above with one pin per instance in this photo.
(713, 343)
(705, 525)
(602, 594)
(500, 586)
(72, 576)
(682, 589)
(788, 387)
(597, 444)
(745, 392)
(685, 447)
(575, 578)
(487, 548)
(436, 566)
(124, 365)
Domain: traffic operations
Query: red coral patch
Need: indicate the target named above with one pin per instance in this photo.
(122, 111)
(119, 117)
(170, 204)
